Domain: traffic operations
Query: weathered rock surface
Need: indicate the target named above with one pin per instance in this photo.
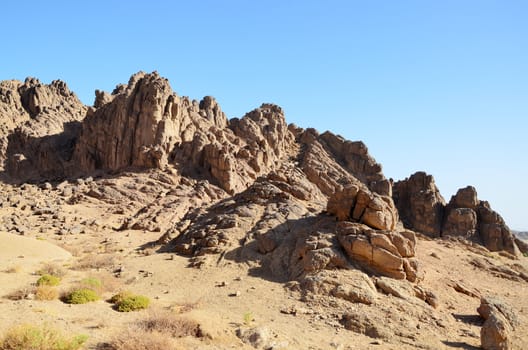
(360, 205)
(500, 322)
(388, 253)
(39, 123)
(423, 209)
(420, 204)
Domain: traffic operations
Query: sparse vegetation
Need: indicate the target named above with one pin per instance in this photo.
(248, 318)
(168, 323)
(98, 261)
(132, 303)
(92, 283)
(29, 337)
(157, 331)
(48, 280)
(81, 296)
(525, 254)
(45, 292)
(52, 269)
(137, 339)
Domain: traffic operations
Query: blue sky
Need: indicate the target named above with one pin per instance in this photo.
(440, 86)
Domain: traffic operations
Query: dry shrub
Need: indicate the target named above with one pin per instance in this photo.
(170, 324)
(46, 293)
(137, 339)
(73, 250)
(98, 261)
(182, 308)
(20, 294)
(13, 269)
(29, 337)
(52, 269)
(156, 332)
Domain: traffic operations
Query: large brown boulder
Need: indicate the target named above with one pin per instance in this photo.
(360, 205)
(420, 204)
(385, 253)
(500, 322)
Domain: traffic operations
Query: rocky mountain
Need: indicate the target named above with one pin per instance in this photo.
(297, 203)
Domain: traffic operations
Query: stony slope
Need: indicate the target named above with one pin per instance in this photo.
(299, 207)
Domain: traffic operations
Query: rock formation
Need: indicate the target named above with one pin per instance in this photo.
(39, 124)
(423, 209)
(313, 211)
(420, 204)
(146, 125)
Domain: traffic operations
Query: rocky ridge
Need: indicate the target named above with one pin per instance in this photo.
(311, 210)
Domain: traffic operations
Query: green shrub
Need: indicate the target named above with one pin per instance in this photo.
(81, 296)
(92, 283)
(525, 254)
(48, 280)
(29, 337)
(132, 303)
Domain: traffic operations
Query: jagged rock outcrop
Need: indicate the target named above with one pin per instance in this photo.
(466, 215)
(423, 209)
(420, 204)
(39, 123)
(331, 162)
(145, 124)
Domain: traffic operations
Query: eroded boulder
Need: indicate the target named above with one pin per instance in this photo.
(380, 252)
(360, 205)
(500, 322)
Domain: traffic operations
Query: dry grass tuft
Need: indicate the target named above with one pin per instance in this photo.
(182, 308)
(46, 293)
(52, 269)
(158, 331)
(170, 324)
(99, 261)
(137, 339)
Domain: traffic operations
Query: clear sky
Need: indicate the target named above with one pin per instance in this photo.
(440, 86)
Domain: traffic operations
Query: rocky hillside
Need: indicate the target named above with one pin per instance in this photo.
(296, 203)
